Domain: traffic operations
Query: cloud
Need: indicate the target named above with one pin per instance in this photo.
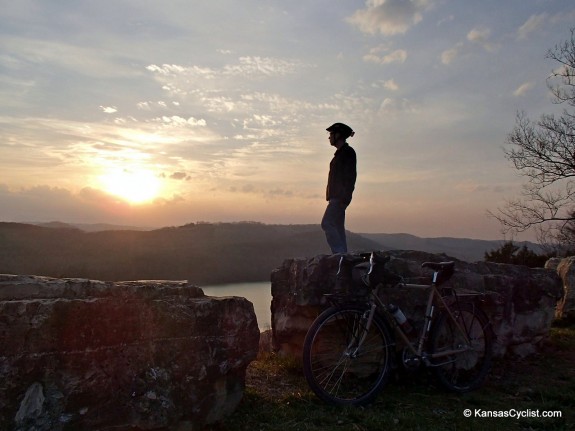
(397, 56)
(523, 89)
(390, 85)
(480, 36)
(280, 192)
(477, 36)
(180, 176)
(238, 99)
(174, 200)
(109, 109)
(262, 65)
(235, 93)
(172, 143)
(246, 66)
(534, 23)
(389, 17)
(177, 121)
(51, 203)
(449, 55)
(88, 205)
(469, 186)
(391, 106)
(90, 195)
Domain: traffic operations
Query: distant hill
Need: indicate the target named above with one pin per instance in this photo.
(94, 227)
(202, 253)
(469, 250)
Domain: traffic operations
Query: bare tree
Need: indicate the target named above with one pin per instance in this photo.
(543, 151)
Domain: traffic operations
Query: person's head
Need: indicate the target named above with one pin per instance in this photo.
(338, 133)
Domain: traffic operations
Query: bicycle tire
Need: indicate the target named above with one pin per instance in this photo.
(466, 371)
(337, 373)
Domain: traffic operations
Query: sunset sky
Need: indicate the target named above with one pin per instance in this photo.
(162, 113)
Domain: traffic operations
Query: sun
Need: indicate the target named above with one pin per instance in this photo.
(135, 186)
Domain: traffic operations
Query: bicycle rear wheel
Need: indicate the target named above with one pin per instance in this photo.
(343, 363)
(466, 370)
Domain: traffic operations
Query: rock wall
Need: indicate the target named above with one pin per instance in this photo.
(82, 354)
(519, 301)
(566, 270)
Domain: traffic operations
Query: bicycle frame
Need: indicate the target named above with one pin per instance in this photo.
(434, 299)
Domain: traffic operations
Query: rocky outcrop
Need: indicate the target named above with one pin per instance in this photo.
(566, 270)
(82, 354)
(519, 301)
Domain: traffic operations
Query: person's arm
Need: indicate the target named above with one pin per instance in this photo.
(349, 176)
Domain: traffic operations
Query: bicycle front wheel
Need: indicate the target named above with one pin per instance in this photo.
(344, 362)
(470, 339)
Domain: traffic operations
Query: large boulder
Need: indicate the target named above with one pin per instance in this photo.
(566, 270)
(519, 301)
(83, 354)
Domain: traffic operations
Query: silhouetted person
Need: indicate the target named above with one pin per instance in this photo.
(340, 186)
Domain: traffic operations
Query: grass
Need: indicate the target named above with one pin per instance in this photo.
(278, 398)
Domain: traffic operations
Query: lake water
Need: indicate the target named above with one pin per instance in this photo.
(259, 294)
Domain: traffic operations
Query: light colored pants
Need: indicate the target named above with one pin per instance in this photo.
(333, 224)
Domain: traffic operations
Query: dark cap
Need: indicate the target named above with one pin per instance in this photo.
(341, 128)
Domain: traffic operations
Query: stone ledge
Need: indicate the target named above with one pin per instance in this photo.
(85, 354)
(521, 302)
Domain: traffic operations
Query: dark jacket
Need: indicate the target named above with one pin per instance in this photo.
(342, 175)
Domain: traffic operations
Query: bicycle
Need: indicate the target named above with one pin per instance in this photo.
(350, 349)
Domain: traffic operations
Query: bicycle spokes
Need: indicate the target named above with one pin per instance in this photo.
(461, 349)
(346, 361)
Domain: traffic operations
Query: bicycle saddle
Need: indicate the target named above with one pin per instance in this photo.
(443, 270)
